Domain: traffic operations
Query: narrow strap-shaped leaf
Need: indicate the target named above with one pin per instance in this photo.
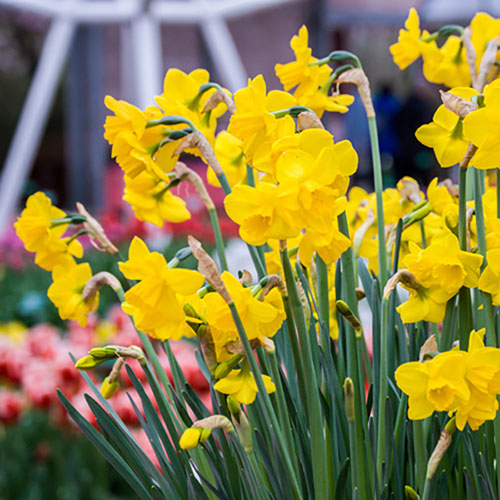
(106, 449)
(340, 488)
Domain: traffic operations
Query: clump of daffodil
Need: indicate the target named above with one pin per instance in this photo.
(463, 382)
(152, 201)
(310, 79)
(156, 301)
(40, 230)
(439, 279)
(445, 134)
(311, 173)
(66, 292)
(240, 384)
(482, 128)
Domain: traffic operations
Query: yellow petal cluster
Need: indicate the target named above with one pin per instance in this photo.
(66, 292)
(439, 279)
(36, 230)
(156, 301)
(462, 382)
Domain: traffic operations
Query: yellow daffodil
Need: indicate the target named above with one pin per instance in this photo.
(447, 64)
(484, 29)
(181, 97)
(489, 281)
(39, 234)
(66, 292)
(152, 202)
(465, 382)
(126, 132)
(310, 79)
(263, 212)
(156, 302)
(438, 279)
(252, 122)
(482, 128)
(260, 319)
(408, 47)
(240, 384)
(445, 133)
(232, 160)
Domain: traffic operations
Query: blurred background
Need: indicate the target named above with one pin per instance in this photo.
(58, 59)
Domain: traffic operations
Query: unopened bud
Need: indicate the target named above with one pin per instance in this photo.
(104, 353)
(225, 368)
(244, 432)
(420, 212)
(360, 294)
(88, 362)
(190, 438)
(234, 407)
(109, 388)
(410, 493)
(346, 312)
(349, 399)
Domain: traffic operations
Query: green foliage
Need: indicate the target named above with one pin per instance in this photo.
(41, 462)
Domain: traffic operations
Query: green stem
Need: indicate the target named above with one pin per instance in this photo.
(382, 381)
(377, 179)
(315, 414)
(267, 405)
(323, 294)
(420, 453)
(352, 363)
(481, 242)
(427, 486)
(219, 242)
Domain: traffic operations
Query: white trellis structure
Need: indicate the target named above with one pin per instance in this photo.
(144, 17)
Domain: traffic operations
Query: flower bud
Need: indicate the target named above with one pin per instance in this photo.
(190, 438)
(88, 362)
(346, 312)
(109, 388)
(104, 353)
(410, 493)
(349, 399)
(234, 407)
(225, 367)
